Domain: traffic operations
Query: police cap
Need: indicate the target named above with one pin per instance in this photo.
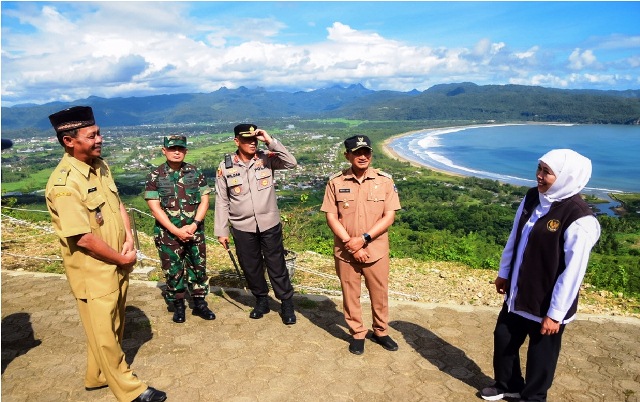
(357, 142)
(245, 130)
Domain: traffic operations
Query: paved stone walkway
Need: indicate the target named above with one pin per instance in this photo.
(445, 351)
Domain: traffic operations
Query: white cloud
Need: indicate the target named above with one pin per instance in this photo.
(580, 59)
(544, 80)
(143, 48)
(617, 41)
(529, 54)
(634, 61)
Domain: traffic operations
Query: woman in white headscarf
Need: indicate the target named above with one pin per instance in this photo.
(541, 270)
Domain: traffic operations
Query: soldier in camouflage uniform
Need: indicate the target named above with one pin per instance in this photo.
(178, 196)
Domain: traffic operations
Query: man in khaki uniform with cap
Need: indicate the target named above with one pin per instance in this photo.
(97, 251)
(246, 199)
(360, 204)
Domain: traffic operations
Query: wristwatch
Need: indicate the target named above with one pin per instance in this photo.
(366, 237)
(197, 222)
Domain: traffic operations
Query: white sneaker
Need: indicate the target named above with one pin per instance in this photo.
(495, 394)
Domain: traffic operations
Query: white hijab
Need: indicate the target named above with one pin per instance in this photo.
(572, 171)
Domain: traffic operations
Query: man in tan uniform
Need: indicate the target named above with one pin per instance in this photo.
(246, 199)
(97, 251)
(360, 204)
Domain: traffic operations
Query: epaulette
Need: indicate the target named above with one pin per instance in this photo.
(60, 175)
(385, 174)
(335, 175)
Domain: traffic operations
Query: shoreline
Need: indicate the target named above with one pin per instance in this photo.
(392, 154)
(387, 150)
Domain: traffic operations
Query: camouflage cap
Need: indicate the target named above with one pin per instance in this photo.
(175, 141)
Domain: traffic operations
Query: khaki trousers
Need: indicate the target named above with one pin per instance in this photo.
(376, 279)
(103, 322)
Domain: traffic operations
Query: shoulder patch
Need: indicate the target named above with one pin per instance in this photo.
(335, 176)
(385, 174)
(60, 175)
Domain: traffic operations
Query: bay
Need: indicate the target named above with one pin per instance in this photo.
(509, 153)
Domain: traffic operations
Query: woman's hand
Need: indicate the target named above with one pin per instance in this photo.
(501, 285)
(549, 326)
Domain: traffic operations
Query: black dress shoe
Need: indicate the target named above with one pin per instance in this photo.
(262, 308)
(385, 341)
(356, 346)
(202, 310)
(151, 395)
(96, 388)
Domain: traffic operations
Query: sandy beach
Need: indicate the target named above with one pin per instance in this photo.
(388, 151)
(393, 154)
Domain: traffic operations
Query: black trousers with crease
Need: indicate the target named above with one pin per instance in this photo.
(260, 249)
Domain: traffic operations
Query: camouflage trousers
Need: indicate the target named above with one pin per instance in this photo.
(184, 266)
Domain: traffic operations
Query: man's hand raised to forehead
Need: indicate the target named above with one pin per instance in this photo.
(263, 136)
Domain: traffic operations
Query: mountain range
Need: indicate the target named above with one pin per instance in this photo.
(457, 101)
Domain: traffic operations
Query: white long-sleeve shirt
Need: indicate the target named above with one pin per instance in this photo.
(579, 238)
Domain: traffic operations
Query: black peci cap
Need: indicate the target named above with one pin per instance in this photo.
(72, 118)
(6, 143)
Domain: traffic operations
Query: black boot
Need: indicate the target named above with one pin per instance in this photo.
(178, 315)
(262, 307)
(288, 315)
(201, 309)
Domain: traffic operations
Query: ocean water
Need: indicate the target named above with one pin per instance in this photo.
(509, 153)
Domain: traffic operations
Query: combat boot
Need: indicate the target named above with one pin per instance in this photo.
(262, 307)
(201, 309)
(178, 315)
(288, 315)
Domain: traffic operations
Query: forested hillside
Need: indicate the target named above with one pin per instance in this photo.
(465, 101)
(504, 103)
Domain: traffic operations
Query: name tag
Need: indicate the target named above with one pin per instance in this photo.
(344, 190)
(91, 190)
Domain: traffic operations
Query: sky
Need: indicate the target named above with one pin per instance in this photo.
(65, 51)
